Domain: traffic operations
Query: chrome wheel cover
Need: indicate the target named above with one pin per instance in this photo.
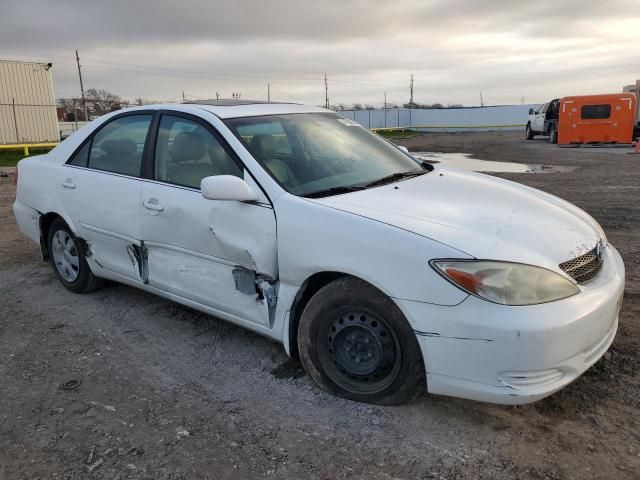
(65, 256)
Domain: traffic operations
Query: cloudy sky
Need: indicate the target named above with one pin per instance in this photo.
(454, 48)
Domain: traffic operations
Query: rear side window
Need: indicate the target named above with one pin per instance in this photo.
(594, 112)
(81, 158)
(119, 145)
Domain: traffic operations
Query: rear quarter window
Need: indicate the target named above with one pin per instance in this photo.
(81, 158)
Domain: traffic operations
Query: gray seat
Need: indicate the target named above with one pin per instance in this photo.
(263, 146)
(120, 156)
(184, 168)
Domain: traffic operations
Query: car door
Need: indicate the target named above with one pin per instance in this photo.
(101, 191)
(221, 254)
(539, 119)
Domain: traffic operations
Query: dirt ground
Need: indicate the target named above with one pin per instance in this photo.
(169, 393)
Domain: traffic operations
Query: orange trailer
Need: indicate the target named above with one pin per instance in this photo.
(606, 118)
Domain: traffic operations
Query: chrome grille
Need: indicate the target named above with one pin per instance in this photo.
(585, 267)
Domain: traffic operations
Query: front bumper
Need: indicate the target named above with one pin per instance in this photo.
(515, 355)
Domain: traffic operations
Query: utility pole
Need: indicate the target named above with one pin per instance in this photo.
(411, 91)
(84, 103)
(481, 101)
(385, 109)
(183, 96)
(326, 92)
(268, 92)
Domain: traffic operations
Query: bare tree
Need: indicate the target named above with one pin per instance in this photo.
(103, 101)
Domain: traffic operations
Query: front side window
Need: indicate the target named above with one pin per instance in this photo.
(118, 146)
(595, 112)
(186, 152)
(309, 153)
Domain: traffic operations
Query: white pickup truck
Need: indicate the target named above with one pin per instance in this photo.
(544, 121)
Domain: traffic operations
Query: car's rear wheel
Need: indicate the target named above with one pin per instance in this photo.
(67, 257)
(528, 132)
(356, 343)
(553, 134)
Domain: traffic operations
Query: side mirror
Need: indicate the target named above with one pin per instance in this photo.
(227, 187)
(531, 111)
(403, 148)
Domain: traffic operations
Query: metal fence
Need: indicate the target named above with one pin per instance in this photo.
(446, 119)
(67, 128)
(28, 123)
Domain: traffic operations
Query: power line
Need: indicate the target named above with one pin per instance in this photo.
(297, 99)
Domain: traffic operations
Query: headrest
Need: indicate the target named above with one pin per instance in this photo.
(187, 146)
(263, 146)
(125, 146)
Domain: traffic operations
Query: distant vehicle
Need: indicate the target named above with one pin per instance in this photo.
(609, 118)
(544, 121)
(379, 271)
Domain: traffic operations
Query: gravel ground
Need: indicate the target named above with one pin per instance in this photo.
(169, 393)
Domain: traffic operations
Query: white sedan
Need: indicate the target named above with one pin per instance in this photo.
(383, 274)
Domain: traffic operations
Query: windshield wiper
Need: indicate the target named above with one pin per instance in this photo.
(333, 191)
(394, 177)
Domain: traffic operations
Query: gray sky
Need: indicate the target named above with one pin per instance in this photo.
(454, 48)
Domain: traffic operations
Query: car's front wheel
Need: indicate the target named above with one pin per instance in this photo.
(528, 132)
(356, 343)
(68, 259)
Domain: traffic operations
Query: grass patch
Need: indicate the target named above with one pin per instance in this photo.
(400, 133)
(9, 158)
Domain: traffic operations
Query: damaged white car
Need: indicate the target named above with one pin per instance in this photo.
(385, 275)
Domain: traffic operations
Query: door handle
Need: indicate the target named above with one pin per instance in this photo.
(68, 183)
(153, 204)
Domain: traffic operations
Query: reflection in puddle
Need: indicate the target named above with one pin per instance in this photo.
(464, 162)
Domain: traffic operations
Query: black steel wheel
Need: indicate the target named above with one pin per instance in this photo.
(355, 343)
(359, 352)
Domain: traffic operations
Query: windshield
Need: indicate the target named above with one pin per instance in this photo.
(322, 153)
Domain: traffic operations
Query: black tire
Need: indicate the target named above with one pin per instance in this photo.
(553, 133)
(85, 280)
(528, 132)
(356, 343)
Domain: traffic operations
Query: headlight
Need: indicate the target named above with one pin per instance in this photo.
(506, 283)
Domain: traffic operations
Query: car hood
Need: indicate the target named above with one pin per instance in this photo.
(483, 216)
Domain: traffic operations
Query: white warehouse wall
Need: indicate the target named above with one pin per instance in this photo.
(27, 103)
(512, 117)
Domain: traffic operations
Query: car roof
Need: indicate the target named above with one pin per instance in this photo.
(250, 108)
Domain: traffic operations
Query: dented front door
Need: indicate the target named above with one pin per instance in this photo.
(221, 254)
